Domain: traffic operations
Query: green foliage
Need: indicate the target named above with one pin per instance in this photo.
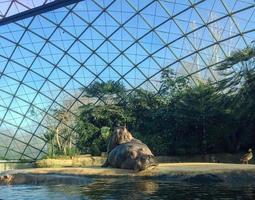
(49, 136)
(197, 111)
(181, 119)
(72, 151)
(105, 133)
(172, 85)
(109, 90)
(144, 107)
(60, 135)
(87, 132)
(237, 69)
(240, 83)
(103, 115)
(94, 125)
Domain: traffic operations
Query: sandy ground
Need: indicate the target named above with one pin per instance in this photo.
(192, 172)
(161, 169)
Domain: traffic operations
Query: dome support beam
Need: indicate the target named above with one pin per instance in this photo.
(37, 11)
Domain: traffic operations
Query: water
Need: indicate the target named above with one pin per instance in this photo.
(129, 188)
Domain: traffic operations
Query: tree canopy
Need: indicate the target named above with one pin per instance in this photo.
(182, 118)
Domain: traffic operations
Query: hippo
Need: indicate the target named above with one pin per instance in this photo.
(5, 179)
(120, 136)
(132, 155)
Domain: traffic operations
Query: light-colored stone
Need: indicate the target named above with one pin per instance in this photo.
(163, 169)
(8, 165)
(189, 172)
(81, 161)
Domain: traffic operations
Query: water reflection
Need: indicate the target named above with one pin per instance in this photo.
(148, 187)
(165, 189)
(131, 188)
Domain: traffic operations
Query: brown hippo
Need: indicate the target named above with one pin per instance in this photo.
(121, 135)
(132, 155)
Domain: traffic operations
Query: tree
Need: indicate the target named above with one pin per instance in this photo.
(171, 85)
(239, 69)
(92, 123)
(109, 92)
(181, 118)
(199, 110)
(60, 134)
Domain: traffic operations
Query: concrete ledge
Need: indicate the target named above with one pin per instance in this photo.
(81, 161)
(8, 165)
(89, 161)
(189, 172)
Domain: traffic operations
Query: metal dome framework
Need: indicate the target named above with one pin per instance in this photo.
(51, 49)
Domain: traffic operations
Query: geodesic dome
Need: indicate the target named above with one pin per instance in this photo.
(50, 49)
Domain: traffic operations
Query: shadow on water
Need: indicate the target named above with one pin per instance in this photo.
(130, 188)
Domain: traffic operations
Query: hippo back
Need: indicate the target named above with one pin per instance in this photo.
(118, 155)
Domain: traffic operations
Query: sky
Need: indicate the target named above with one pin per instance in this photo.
(47, 58)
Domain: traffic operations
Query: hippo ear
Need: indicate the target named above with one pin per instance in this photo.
(117, 132)
(125, 129)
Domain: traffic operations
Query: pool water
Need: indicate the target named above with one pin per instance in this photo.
(129, 188)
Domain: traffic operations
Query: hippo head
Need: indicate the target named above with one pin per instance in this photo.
(144, 162)
(123, 135)
(6, 179)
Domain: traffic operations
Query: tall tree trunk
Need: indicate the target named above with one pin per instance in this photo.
(204, 140)
(57, 139)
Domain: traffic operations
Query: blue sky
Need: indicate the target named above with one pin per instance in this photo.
(50, 67)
